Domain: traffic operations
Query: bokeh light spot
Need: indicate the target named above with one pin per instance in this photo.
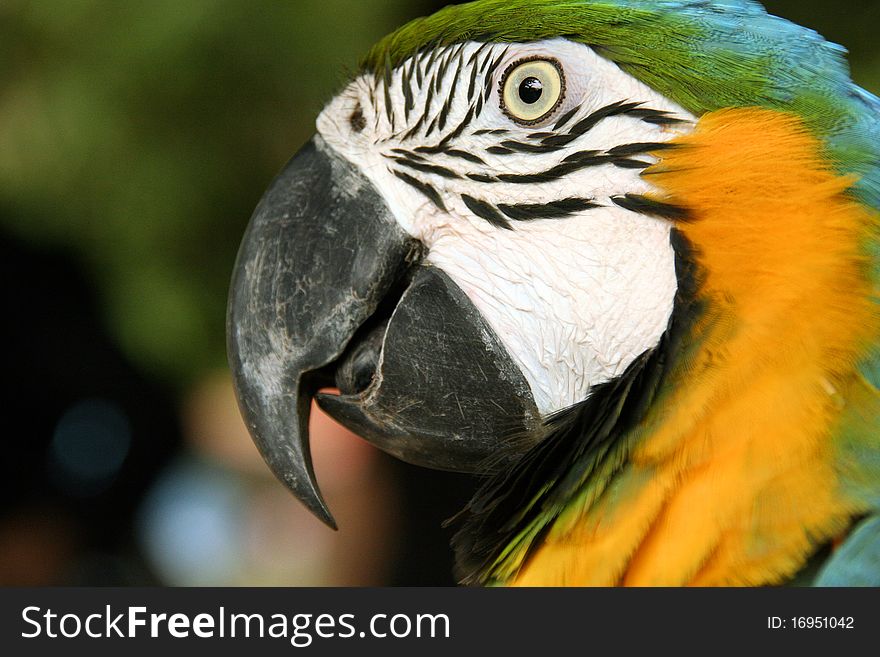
(89, 446)
(190, 525)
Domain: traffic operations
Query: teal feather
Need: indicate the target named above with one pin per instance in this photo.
(857, 561)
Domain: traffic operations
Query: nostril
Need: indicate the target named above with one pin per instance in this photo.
(355, 372)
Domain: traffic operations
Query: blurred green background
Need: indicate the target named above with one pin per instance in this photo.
(135, 140)
(139, 136)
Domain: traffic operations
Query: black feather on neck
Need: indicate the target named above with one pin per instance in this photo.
(578, 439)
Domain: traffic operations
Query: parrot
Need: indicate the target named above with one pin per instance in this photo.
(619, 259)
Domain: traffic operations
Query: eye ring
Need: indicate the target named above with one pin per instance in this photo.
(532, 89)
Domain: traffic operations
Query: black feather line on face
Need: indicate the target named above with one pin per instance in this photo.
(479, 107)
(523, 147)
(431, 127)
(432, 56)
(453, 88)
(444, 113)
(651, 207)
(586, 160)
(426, 168)
(409, 133)
(487, 91)
(441, 62)
(472, 83)
(408, 154)
(640, 148)
(439, 149)
(559, 141)
(499, 150)
(441, 73)
(614, 109)
(388, 79)
(423, 187)
(428, 100)
(459, 128)
(580, 440)
(565, 118)
(415, 128)
(408, 99)
(656, 117)
(420, 78)
(472, 60)
(552, 210)
(464, 155)
(486, 59)
(626, 163)
(486, 211)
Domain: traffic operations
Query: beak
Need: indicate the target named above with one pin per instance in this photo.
(329, 290)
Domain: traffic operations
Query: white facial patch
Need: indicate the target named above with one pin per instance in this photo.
(538, 224)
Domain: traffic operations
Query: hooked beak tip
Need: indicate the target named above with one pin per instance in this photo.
(312, 499)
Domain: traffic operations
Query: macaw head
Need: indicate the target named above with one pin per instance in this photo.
(559, 243)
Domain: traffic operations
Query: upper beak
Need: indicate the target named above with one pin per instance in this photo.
(325, 292)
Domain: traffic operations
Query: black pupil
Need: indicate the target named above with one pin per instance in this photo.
(530, 90)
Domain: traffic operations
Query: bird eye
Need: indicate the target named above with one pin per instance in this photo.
(532, 89)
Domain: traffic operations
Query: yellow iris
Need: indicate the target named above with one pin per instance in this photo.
(532, 90)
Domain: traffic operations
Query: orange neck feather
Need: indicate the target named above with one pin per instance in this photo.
(732, 480)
